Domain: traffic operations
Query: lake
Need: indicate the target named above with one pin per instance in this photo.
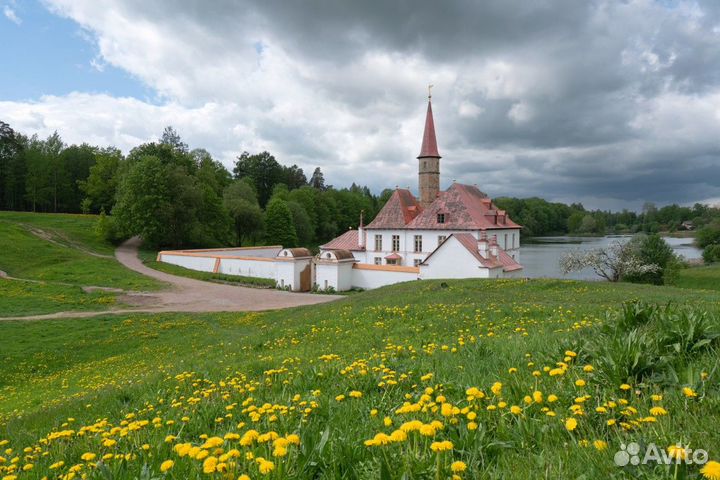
(541, 258)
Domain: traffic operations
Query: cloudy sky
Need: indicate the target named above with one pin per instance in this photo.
(608, 102)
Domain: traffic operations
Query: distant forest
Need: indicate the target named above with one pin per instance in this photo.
(177, 197)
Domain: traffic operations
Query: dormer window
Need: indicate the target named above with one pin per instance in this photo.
(440, 218)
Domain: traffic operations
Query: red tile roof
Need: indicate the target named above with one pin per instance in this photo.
(470, 243)
(393, 256)
(464, 208)
(346, 241)
(429, 144)
(400, 209)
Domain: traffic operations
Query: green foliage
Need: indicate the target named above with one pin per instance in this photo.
(653, 250)
(711, 253)
(709, 235)
(647, 343)
(279, 225)
(240, 202)
(101, 183)
(165, 205)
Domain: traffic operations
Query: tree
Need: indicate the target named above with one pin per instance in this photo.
(210, 171)
(294, 177)
(38, 189)
(263, 171)
(653, 250)
(12, 178)
(240, 202)
(711, 253)
(101, 183)
(279, 226)
(317, 180)
(171, 137)
(612, 263)
(302, 224)
(709, 234)
(77, 160)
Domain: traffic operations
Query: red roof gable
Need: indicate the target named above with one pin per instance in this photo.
(346, 241)
(464, 207)
(400, 209)
(429, 144)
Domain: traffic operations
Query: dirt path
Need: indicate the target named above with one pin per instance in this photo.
(189, 295)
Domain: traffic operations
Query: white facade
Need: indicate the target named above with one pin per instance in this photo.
(369, 276)
(507, 239)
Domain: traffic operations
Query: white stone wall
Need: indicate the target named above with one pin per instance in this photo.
(367, 278)
(248, 267)
(203, 264)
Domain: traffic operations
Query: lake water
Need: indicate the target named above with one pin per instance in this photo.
(541, 258)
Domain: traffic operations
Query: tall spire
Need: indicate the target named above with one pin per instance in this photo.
(429, 160)
(429, 143)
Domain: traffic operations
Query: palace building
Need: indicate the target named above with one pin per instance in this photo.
(456, 233)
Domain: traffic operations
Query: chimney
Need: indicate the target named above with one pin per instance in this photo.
(483, 245)
(361, 232)
(494, 247)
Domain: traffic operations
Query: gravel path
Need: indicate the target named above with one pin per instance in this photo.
(190, 295)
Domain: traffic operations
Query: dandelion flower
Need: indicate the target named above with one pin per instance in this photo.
(689, 392)
(458, 467)
(166, 465)
(441, 446)
(711, 470)
(570, 424)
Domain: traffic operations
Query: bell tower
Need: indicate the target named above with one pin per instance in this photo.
(429, 160)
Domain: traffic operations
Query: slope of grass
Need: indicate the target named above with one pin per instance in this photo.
(144, 389)
(64, 254)
(707, 277)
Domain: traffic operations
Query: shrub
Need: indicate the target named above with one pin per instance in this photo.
(711, 253)
(107, 229)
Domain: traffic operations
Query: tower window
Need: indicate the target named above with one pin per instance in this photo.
(395, 243)
(440, 218)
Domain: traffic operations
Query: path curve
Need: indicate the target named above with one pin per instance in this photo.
(190, 295)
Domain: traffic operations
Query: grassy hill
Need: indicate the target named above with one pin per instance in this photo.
(523, 378)
(58, 255)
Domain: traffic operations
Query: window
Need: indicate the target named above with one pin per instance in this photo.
(440, 218)
(392, 262)
(418, 243)
(395, 243)
(506, 244)
(513, 241)
(378, 243)
(441, 239)
(378, 260)
(417, 261)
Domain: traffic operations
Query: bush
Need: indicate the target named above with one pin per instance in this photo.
(653, 250)
(711, 253)
(107, 229)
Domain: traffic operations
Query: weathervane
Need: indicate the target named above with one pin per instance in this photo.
(430, 91)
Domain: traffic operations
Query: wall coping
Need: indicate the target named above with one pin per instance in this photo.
(386, 268)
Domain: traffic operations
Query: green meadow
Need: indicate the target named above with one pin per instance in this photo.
(432, 379)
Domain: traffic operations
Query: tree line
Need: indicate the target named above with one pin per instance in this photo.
(177, 197)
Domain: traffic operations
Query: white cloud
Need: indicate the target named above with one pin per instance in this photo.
(10, 14)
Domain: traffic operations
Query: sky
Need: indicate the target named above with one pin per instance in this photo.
(612, 103)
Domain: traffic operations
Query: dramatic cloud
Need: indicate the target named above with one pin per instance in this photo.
(611, 103)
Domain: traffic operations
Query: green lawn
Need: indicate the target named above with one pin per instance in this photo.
(707, 277)
(64, 254)
(284, 371)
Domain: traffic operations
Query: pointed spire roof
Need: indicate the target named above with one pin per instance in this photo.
(429, 143)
